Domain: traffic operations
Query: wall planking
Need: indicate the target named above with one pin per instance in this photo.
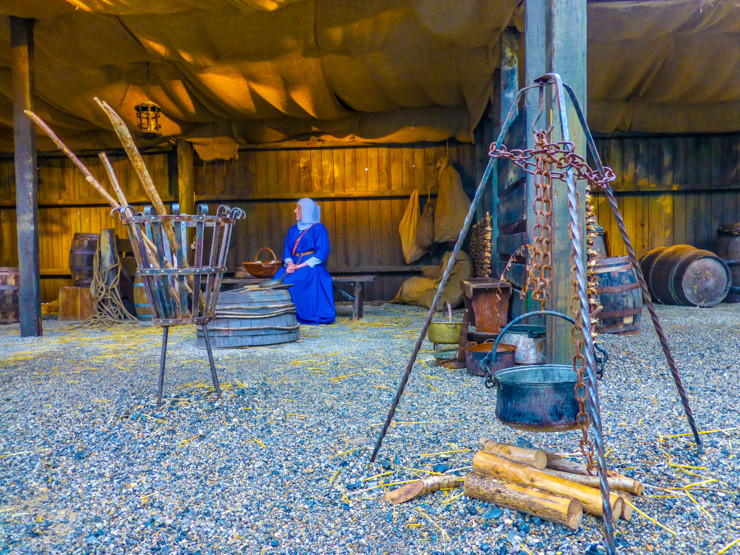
(671, 189)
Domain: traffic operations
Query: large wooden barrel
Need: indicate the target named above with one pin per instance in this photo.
(646, 265)
(141, 302)
(685, 275)
(247, 318)
(82, 258)
(620, 296)
(601, 243)
(728, 249)
(9, 307)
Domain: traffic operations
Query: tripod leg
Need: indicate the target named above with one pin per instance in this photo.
(210, 360)
(162, 359)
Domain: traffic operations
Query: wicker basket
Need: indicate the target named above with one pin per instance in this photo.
(261, 269)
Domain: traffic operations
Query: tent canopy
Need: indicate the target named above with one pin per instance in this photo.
(230, 72)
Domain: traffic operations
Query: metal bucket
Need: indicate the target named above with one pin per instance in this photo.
(474, 354)
(538, 397)
(529, 341)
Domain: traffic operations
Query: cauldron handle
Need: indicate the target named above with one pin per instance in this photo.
(487, 362)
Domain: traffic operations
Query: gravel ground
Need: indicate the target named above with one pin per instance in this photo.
(88, 464)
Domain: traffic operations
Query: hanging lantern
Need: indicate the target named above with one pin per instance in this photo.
(147, 119)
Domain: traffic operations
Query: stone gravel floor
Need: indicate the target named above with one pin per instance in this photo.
(89, 464)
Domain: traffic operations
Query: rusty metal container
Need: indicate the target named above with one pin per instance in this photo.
(475, 353)
(82, 258)
(529, 341)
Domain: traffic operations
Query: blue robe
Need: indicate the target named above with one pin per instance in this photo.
(312, 291)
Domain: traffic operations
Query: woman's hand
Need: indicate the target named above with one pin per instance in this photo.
(290, 268)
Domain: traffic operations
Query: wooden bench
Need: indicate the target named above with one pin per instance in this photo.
(357, 283)
(358, 298)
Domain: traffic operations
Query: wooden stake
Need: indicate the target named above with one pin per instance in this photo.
(421, 487)
(532, 457)
(555, 508)
(590, 498)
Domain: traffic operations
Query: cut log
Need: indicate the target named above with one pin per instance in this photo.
(616, 482)
(556, 508)
(532, 457)
(422, 487)
(556, 462)
(627, 509)
(590, 498)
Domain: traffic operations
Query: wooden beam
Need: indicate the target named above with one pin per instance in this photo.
(26, 176)
(566, 49)
(535, 40)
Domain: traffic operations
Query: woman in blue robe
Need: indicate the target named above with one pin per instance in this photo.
(305, 253)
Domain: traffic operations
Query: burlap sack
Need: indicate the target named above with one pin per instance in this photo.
(452, 204)
(425, 229)
(420, 291)
(407, 230)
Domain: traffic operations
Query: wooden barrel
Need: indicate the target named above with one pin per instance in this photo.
(247, 318)
(620, 296)
(646, 265)
(685, 275)
(728, 249)
(9, 306)
(141, 302)
(82, 258)
(601, 243)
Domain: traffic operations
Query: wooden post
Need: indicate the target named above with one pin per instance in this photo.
(535, 41)
(185, 177)
(26, 176)
(566, 50)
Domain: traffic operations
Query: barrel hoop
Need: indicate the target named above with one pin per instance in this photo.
(622, 329)
(282, 328)
(735, 288)
(619, 313)
(601, 269)
(242, 316)
(254, 307)
(618, 288)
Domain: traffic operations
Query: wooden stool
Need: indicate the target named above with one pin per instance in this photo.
(486, 306)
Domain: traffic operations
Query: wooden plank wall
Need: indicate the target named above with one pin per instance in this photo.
(362, 191)
(67, 205)
(671, 189)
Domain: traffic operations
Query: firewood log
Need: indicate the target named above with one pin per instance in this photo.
(556, 508)
(532, 457)
(590, 498)
(616, 482)
(627, 509)
(421, 487)
(556, 462)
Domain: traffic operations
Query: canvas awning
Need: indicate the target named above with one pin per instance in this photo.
(229, 72)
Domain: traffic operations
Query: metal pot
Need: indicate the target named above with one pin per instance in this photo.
(475, 353)
(537, 397)
(530, 343)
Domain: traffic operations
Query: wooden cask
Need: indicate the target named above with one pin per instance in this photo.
(728, 249)
(142, 306)
(9, 304)
(620, 296)
(646, 265)
(82, 257)
(685, 275)
(246, 318)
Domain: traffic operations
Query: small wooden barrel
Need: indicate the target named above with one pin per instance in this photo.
(9, 304)
(619, 295)
(728, 249)
(141, 302)
(247, 318)
(688, 276)
(82, 258)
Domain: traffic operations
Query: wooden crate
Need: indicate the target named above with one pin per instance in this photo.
(75, 303)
